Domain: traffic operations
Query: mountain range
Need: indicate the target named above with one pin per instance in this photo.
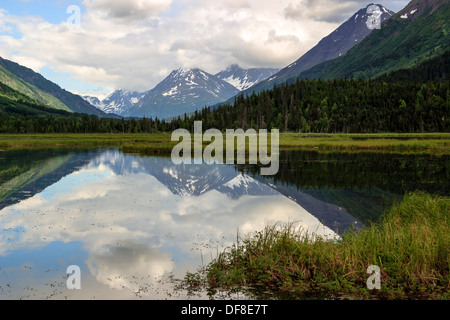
(183, 91)
(177, 94)
(416, 34)
(188, 97)
(118, 102)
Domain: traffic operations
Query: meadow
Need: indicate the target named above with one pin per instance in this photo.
(160, 143)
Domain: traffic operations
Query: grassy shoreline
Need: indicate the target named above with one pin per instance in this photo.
(410, 246)
(160, 143)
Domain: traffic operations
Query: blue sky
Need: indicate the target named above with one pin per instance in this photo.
(134, 44)
(54, 11)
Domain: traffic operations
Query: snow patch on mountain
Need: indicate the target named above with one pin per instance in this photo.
(241, 181)
(245, 78)
(171, 92)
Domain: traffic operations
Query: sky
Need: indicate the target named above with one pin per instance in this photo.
(93, 47)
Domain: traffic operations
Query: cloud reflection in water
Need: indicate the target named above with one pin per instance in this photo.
(139, 219)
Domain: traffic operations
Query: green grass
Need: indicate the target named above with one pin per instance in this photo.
(30, 90)
(437, 143)
(429, 143)
(134, 142)
(411, 245)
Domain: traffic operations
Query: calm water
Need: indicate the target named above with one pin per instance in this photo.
(134, 225)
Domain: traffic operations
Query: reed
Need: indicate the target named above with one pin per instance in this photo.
(411, 246)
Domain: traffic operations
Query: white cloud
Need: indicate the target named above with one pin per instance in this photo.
(128, 10)
(320, 10)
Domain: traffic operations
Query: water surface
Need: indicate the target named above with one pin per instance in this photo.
(134, 225)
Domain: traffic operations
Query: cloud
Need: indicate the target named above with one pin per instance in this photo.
(114, 267)
(320, 10)
(128, 10)
(331, 10)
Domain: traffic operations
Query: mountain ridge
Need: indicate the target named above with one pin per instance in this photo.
(73, 102)
(415, 34)
(120, 101)
(29, 90)
(185, 90)
(13, 102)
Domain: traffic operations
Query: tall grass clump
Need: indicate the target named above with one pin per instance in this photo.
(410, 245)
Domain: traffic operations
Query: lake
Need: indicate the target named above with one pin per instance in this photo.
(135, 225)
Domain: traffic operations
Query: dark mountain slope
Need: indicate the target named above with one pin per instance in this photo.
(417, 33)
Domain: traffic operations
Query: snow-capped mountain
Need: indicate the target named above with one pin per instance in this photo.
(94, 101)
(183, 91)
(338, 43)
(117, 102)
(120, 101)
(245, 78)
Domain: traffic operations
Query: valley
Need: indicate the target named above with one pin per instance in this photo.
(88, 176)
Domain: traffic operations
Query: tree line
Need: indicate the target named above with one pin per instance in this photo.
(335, 106)
(322, 106)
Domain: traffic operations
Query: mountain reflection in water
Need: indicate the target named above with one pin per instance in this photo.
(129, 221)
